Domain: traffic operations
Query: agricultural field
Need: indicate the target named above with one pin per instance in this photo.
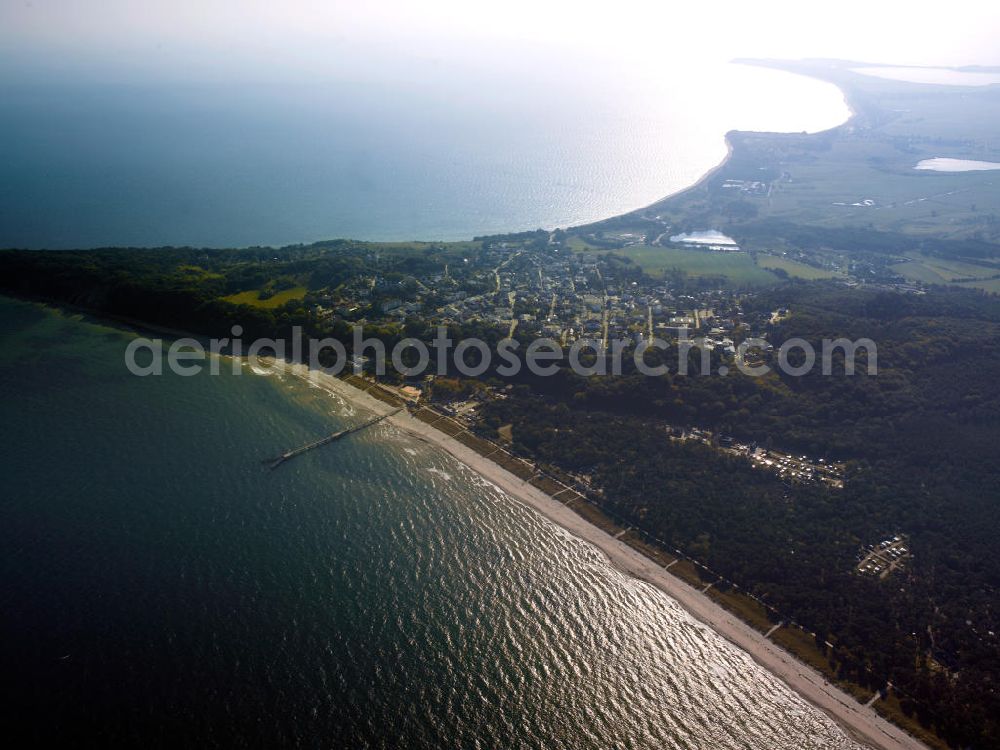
(987, 285)
(278, 299)
(895, 197)
(197, 273)
(934, 270)
(794, 268)
(580, 245)
(737, 267)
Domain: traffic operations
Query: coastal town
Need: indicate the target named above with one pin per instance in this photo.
(542, 287)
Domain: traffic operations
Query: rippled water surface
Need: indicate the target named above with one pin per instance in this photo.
(160, 585)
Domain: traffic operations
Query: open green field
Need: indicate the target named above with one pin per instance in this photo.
(580, 245)
(864, 176)
(794, 268)
(253, 299)
(197, 273)
(847, 189)
(934, 270)
(915, 271)
(987, 285)
(737, 267)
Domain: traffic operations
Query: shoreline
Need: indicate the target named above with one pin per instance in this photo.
(852, 114)
(861, 723)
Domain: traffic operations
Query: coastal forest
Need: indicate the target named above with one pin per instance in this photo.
(920, 446)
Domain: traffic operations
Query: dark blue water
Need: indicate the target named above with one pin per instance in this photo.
(430, 153)
(159, 587)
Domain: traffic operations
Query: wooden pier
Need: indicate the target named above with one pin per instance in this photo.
(288, 455)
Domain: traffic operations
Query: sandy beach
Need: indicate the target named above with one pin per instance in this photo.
(861, 723)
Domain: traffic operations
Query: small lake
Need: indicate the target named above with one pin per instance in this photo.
(936, 76)
(705, 237)
(956, 165)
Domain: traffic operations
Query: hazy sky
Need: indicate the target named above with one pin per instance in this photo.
(223, 38)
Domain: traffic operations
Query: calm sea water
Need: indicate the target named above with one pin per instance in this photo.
(160, 587)
(433, 152)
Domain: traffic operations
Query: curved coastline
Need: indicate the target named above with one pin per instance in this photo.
(731, 146)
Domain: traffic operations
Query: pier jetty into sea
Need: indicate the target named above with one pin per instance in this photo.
(290, 454)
